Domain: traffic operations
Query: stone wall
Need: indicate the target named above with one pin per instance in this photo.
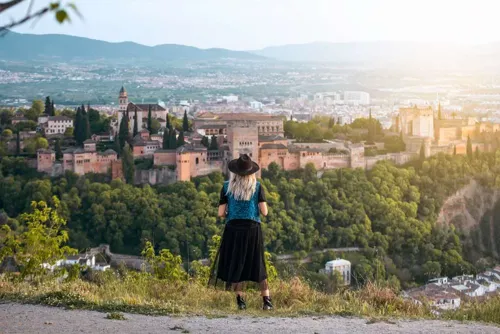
(155, 176)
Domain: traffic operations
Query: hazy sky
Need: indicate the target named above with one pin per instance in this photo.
(254, 24)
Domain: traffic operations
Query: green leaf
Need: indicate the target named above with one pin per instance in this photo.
(54, 5)
(62, 16)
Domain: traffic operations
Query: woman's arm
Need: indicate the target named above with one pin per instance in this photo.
(222, 210)
(263, 208)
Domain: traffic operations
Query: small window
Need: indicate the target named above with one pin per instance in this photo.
(197, 160)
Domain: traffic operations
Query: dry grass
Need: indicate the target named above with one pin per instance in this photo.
(140, 293)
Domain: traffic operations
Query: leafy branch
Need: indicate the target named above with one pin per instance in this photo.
(60, 11)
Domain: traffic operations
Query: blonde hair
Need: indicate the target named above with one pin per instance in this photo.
(242, 187)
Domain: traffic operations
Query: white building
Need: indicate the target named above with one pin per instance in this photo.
(230, 98)
(439, 281)
(356, 98)
(342, 266)
(256, 105)
(55, 125)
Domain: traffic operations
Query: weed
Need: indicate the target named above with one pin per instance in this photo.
(115, 316)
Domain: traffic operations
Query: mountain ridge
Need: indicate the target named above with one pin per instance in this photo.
(19, 46)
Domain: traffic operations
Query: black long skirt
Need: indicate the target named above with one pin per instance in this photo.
(241, 254)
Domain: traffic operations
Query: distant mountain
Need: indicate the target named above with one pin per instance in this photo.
(17, 46)
(384, 53)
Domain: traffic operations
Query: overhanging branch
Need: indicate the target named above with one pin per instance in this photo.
(8, 4)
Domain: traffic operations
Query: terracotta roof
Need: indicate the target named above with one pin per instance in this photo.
(271, 138)
(240, 116)
(145, 107)
(273, 146)
(45, 151)
(212, 126)
(146, 143)
(190, 148)
(107, 152)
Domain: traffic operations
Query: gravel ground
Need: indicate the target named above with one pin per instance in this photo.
(17, 318)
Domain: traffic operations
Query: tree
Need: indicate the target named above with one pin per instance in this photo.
(35, 111)
(331, 122)
(205, 141)
(52, 108)
(454, 149)
(128, 164)
(469, 147)
(150, 120)
(48, 106)
(18, 143)
(69, 132)
(155, 126)
(165, 265)
(166, 139)
(59, 153)
(185, 122)
(180, 139)
(6, 134)
(136, 123)
(86, 125)
(79, 127)
(173, 138)
(123, 131)
(476, 153)
(59, 10)
(168, 126)
(422, 152)
(213, 143)
(42, 243)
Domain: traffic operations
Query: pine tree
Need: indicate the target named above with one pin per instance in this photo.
(173, 138)
(128, 164)
(422, 152)
(150, 120)
(59, 154)
(469, 148)
(136, 130)
(18, 143)
(185, 122)
(53, 109)
(213, 144)
(205, 141)
(48, 105)
(78, 127)
(455, 150)
(180, 139)
(166, 140)
(439, 112)
(123, 131)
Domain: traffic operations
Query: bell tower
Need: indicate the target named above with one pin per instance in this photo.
(123, 99)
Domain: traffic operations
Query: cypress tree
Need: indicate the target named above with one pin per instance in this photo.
(172, 139)
(469, 147)
(136, 130)
(168, 126)
(213, 144)
(18, 142)
(180, 139)
(185, 122)
(205, 141)
(59, 154)
(128, 164)
(422, 152)
(48, 106)
(86, 125)
(53, 109)
(79, 127)
(150, 120)
(123, 131)
(166, 140)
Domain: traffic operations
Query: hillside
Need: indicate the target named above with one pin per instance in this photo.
(407, 54)
(15, 46)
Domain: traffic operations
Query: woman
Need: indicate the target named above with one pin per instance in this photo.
(241, 253)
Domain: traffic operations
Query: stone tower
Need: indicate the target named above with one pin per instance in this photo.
(243, 138)
(123, 99)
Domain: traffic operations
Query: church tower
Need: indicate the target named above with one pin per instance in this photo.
(123, 99)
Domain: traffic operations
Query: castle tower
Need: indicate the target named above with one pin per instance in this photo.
(243, 138)
(123, 99)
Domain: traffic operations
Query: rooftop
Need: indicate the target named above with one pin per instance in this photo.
(238, 116)
(271, 138)
(273, 146)
(59, 118)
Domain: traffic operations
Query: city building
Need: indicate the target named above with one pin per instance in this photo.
(415, 121)
(54, 125)
(356, 98)
(341, 266)
(213, 123)
(256, 105)
(45, 160)
(87, 160)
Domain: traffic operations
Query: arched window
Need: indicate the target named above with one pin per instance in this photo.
(197, 161)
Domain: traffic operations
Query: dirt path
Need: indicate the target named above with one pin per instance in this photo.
(16, 318)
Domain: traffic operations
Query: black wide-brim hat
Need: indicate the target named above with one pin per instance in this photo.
(243, 166)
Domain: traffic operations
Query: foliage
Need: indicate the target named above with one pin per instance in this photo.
(69, 132)
(36, 110)
(185, 122)
(98, 123)
(213, 143)
(136, 123)
(180, 139)
(123, 131)
(59, 153)
(150, 120)
(166, 139)
(115, 316)
(155, 126)
(469, 148)
(31, 145)
(165, 265)
(173, 139)
(41, 243)
(128, 164)
(205, 141)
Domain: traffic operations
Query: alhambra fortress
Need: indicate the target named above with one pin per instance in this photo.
(261, 136)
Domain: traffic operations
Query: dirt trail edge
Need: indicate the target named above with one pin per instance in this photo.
(19, 318)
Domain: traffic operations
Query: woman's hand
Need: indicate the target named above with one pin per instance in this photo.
(263, 208)
(222, 210)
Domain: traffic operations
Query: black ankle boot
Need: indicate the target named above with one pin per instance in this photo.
(267, 305)
(241, 302)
